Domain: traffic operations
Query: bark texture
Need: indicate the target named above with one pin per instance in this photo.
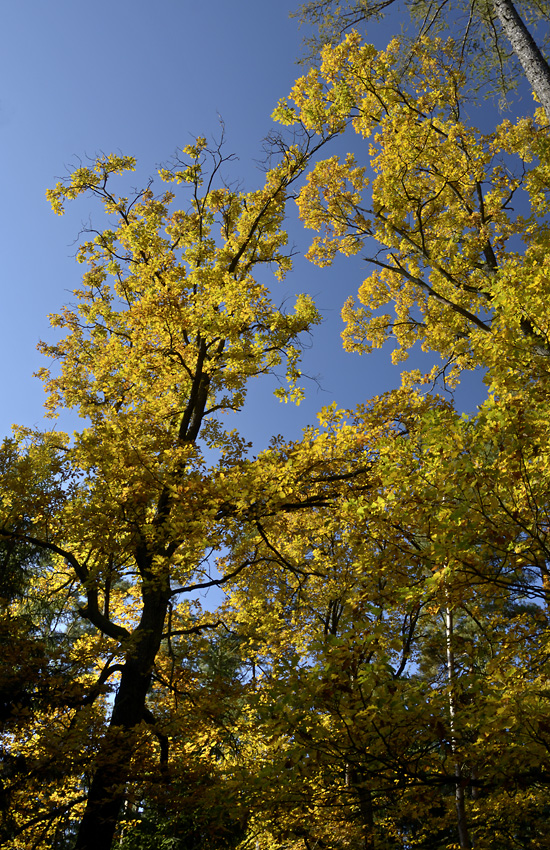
(107, 791)
(524, 46)
(460, 802)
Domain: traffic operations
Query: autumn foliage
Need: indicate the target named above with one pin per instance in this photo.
(377, 674)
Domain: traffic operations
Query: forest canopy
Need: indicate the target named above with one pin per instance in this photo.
(376, 673)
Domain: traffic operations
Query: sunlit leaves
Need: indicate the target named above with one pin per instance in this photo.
(169, 324)
(439, 220)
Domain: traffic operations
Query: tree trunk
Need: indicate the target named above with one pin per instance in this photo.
(364, 797)
(524, 46)
(463, 835)
(107, 790)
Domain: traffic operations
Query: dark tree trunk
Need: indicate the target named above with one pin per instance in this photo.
(364, 798)
(107, 790)
(524, 46)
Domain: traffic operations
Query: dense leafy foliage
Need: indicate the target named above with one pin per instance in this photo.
(377, 673)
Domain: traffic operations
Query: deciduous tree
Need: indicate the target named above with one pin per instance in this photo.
(400, 645)
(495, 41)
(169, 326)
(439, 220)
(381, 676)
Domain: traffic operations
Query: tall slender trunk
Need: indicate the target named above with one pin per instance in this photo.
(463, 835)
(526, 49)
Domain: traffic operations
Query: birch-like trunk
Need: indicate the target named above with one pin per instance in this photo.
(526, 49)
(463, 834)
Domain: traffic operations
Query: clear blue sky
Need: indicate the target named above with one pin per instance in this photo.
(143, 78)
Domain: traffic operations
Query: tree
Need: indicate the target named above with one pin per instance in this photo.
(526, 49)
(484, 53)
(442, 214)
(169, 327)
(199, 713)
(381, 671)
(400, 648)
(408, 614)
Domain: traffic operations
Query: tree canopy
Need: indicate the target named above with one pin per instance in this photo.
(376, 674)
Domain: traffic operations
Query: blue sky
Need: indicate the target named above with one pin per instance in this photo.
(144, 78)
